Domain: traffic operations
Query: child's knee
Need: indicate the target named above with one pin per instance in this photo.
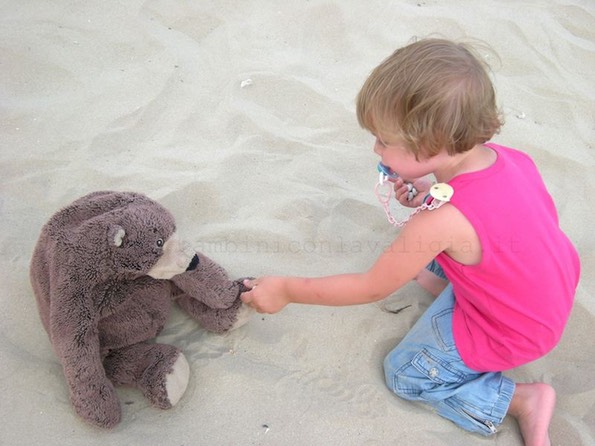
(395, 364)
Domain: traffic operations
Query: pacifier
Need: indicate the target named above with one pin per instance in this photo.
(386, 173)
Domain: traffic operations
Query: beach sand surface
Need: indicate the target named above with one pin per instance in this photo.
(239, 117)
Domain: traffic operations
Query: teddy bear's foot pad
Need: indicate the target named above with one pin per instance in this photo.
(160, 371)
(177, 380)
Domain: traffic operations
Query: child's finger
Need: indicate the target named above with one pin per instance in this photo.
(246, 297)
(401, 193)
(249, 283)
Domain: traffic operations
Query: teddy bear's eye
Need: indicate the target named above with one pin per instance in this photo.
(160, 243)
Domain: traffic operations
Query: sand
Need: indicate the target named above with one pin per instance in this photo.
(239, 116)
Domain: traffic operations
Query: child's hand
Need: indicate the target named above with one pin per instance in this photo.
(401, 191)
(266, 295)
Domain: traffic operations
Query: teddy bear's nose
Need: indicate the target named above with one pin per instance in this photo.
(193, 263)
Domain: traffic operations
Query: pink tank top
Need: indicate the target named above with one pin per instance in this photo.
(512, 307)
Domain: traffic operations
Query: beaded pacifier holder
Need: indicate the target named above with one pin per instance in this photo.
(439, 194)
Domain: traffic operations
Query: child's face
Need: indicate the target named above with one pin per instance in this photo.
(402, 161)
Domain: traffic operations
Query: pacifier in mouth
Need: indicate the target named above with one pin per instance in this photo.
(386, 173)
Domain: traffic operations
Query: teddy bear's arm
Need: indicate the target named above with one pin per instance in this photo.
(209, 284)
(73, 325)
(213, 319)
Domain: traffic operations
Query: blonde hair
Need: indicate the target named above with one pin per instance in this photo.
(431, 94)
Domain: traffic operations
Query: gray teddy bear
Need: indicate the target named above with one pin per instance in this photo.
(105, 272)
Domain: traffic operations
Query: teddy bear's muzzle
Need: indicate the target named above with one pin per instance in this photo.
(193, 263)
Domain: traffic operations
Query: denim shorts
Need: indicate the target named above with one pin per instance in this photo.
(426, 366)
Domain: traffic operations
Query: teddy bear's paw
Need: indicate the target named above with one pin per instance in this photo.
(100, 407)
(243, 315)
(240, 283)
(177, 380)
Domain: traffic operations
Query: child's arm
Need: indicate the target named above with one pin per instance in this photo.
(425, 236)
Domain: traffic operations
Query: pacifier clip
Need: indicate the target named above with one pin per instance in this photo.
(439, 194)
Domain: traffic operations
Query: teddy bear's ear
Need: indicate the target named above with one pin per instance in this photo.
(116, 235)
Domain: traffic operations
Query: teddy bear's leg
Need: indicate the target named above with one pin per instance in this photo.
(160, 371)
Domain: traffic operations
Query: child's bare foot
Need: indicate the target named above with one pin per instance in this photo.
(431, 282)
(533, 406)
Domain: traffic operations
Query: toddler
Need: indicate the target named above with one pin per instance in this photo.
(493, 253)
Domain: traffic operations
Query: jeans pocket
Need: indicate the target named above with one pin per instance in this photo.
(435, 369)
(442, 328)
